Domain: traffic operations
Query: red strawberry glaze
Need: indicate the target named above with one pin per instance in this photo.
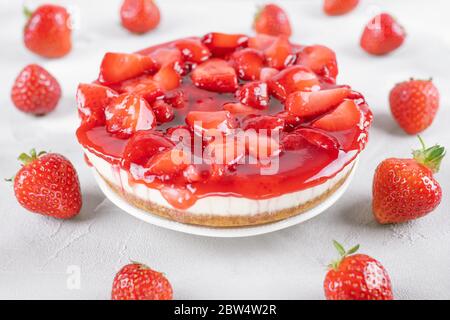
(306, 156)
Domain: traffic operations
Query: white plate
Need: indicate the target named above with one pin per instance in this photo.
(222, 232)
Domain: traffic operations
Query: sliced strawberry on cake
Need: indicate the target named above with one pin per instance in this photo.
(210, 122)
(254, 94)
(222, 44)
(165, 56)
(117, 67)
(262, 146)
(320, 59)
(239, 108)
(193, 50)
(143, 146)
(215, 75)
(91, 102)
(292, 79)
(280, 54)
(264, 122)
(163, 111)
(248, 63)
(308, 104)
(169, 163)
(145, 86)
(346, 116)
(261, 41)
(168, 77)
(127, 114)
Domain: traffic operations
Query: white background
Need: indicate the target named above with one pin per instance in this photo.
(36, 251)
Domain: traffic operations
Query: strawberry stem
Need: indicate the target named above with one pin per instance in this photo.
(28, 158)
(27, 12)
(258, 12)
(430, 157)
(342, 254)
(141, 265)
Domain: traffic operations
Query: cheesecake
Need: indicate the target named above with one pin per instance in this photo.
(224, 130)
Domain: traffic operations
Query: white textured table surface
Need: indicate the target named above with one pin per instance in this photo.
(36, 252)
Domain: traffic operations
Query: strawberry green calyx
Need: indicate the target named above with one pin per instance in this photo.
(430, 157)
(140, 265)
(28, 158)
(342, 253)
(259, 10)
(27, 12)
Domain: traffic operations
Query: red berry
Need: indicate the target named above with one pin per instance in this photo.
(223, 154)
(221, 44)
(414, 104)
(168, 77)
(136, 281)
(215, 75)
(48, 31)
(382, 35)
(139, 16)
(356, 277)
(261, 146)
(169, 163)
(143, 146)
(163, 111)
(91, 101)
(248, 63)
(193, 50)
(210, 121)
(279, 54)
(290, 80)
(165, 56)
(339, 7)
(48, 184)
(35, 91)
(270, 123)
(346, 116)
(312, 104)
(405, 189)
(254, 94)
(261, 41)
(319, 59)
(239, 108)
(291, 121)
(304, 138)
(117, 67)
(127, 114)
(271, 19)
(144, 86)
(305, 144)
(267, 73)
(176, 98)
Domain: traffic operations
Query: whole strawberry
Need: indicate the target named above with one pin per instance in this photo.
(382, 35)
(48, 31)
(48, 184)
(356, 277)
(339, 7)
(136, 281)
(405, 189)
(139, 16)
(35, 91)
(272, 20)
(414, 104)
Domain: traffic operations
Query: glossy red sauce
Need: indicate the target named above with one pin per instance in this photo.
(298, 169)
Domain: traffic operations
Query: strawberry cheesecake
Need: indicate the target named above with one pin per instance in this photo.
(224, 130)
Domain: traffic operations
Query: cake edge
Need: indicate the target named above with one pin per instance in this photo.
(223, 221)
